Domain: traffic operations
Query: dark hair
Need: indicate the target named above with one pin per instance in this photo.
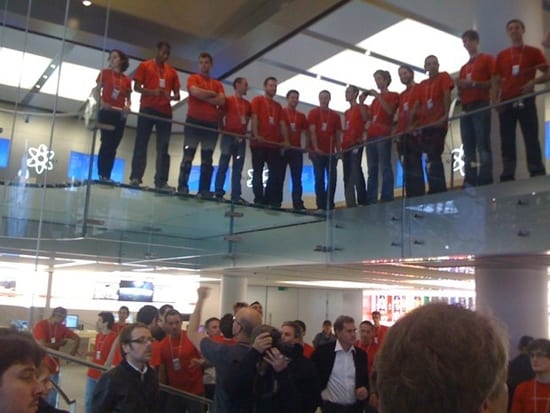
(108, 318)
(164, 308)
(366, 322)
(147, 314)
(123, 307)
(237, 81)
(255, 302)
(291, 91)
(210, 320)
(59, 311)
(124, 60)
(407, 68)
(341, 320)
(206, 55)
(471, 35)
(431, 56)
(172, 312)
(125, 336)
(226, 325)
(162, 44)
(296, 327)
(385, 74)
(18, 348)
(524, 342)
(325, 91)
(355, 89)
(302, 326)
(327, 323)
(541, 344)
(267, 79)
(376, 313)
(518, 21)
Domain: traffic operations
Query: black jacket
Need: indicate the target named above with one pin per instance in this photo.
(121, 390)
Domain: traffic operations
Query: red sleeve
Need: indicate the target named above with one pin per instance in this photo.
(220, 88)
(139, 75)
(40, 331)
(311, 118)
(68, 333)
(394, 101)
(177, 84)
(498, 69)
(539, 59)
(191, 81)
(338, 121)
(256, 105)
(248, 108)
(447, 82)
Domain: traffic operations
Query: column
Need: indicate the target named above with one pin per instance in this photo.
(516, 293)
(233, 289)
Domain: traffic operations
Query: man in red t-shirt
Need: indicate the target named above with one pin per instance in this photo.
(367, 344)
(294, 157)
(269, 138)
(433, 112)
(103, 342)
(409, 147)
(52, 333)
(181, 366)
(158, 84)
(379, 146)
(352, 136)
(325, 133)
(206, 96)
(515, 71)
(474, 83)
(236, 114)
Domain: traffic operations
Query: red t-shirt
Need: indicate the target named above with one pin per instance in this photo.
(180, 374)
(270, 114)
(353, 126)
(149, 74)
(308, 350)
(478, 69)
(116, 87)
(407, 101)
(47, 332)
(371, 350)
(327, 124)
(118, 326)
(524, 400)
(430, 96)
(296, 123)
(516, 66)
(155, 355)
(237, 112)
(102, 347)
(381, 123)
(379, 334)
(199, 109)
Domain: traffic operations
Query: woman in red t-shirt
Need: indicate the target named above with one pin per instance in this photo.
(115, 88)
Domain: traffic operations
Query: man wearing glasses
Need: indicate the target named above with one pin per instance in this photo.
(132, 386)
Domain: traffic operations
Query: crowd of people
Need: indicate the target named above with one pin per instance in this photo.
(418, 117)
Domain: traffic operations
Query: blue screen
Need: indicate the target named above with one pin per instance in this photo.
(399, 172)
(79, 163)
(308, 180)
(4, 152)
(547, 140)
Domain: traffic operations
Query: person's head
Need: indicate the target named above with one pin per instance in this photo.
(324, 99)
(291, 333)
(539, 353)
(366, 332)
(523, 343)
(431, 65)
(105, 322)
(406, 74)
(163, 51)
(58, 315)
(376, 317)
(205, 63)
(470, 40)
(148, 315)
(172, 322)
(382, 79)
(244, 322)
(351, 93)
(270, 86)
(345, 331)
(240, 85)
(238, 305)
(515, 29)
(20, 359)
(442, 359)
(162, 313)
(136, 343)
(302, 327)
(123, 314)
(292, 98)
(118, 60)
(258, 307)
(327, 327)
(212, 327)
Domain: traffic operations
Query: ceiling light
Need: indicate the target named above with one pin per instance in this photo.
(86, 3)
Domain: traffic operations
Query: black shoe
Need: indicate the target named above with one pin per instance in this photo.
(240, 201)
(165, 187)
(183, 190)
(135, 182)
(205, 195)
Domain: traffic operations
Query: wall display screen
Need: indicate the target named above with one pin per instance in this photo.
(79, 164)
(4, 152)
(129, 290)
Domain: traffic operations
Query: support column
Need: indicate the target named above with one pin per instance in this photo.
(516, 294)
(233, 289)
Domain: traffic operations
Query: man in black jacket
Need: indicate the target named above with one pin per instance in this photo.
(132, 386)
(343, 370)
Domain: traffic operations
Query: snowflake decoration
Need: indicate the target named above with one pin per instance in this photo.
(40, 159)
(458, 159)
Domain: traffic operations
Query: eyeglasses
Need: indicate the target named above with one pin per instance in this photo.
(143, 340)
(538, 354)
(237, 321)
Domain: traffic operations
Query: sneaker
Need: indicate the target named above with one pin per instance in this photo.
(219, 197)
(205, 195)
(165, 187)
(105, 180)
(135, 182)
(240, 201)
(183, 190)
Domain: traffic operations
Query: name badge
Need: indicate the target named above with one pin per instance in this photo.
(271, 120)
(162, 83)
(293, 127)
(52, 340)
(243, 120)
(115, 93)
(176, 364)
(324, 126)
(515, 70)
(468, 76)
(374, 118)
(406, 106)
(98, 355)
(430, 104)
(346, 125)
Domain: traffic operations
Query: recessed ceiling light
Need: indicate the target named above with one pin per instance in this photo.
(86, 3)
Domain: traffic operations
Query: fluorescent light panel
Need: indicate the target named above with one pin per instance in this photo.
(17, 66)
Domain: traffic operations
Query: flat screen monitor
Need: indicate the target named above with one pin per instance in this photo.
(129, 290)
(72, 321)
(20, 325)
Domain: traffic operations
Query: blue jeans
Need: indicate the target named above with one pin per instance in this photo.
(230, 148)
(273, 193)
(143, 133)
(354, 180)
(110, 139)
(413, 172)
(433, 143)
(90, 386)
(53, 395)
(324, 170)
(476, 139)
(295, 161)
(207, 136)
(379, 158)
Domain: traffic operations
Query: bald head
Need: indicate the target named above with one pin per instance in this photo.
(244, 322)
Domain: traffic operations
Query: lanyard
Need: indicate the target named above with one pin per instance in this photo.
(179, 346)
